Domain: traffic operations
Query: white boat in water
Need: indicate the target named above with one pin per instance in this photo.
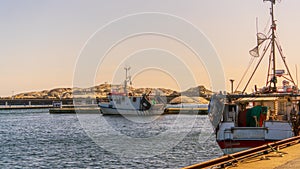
(120, 104)
(125, 103)
(244, 121)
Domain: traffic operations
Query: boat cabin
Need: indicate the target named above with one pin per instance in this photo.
(252, 112)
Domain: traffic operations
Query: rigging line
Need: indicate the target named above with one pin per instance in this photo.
(265, 46)
(256, 68)
(278, 40)
(286, 78)
(256, 25)
(249, 65)
(269, 68)
(297, 75)
(270, 34)
(270, 60)
(266, 27)
(283, 59)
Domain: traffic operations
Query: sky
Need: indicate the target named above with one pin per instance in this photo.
(44, 44)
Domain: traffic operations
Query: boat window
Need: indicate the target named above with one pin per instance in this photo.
(118, 101)
(134, 99)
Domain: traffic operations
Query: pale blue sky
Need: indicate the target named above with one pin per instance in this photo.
(40, 40)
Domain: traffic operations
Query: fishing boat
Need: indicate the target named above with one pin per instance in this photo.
(268, 114)
(122, 102)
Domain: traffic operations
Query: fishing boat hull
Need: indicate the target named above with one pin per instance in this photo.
(106, 109)
(232, 139)
(233, 146)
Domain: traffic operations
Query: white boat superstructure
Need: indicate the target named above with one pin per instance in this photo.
(125, 103)
(130, 105)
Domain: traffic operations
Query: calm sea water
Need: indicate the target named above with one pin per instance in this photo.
(37, 139)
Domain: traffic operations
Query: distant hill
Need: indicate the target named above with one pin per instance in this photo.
(103, 89)
(46, 94)
(197, 91)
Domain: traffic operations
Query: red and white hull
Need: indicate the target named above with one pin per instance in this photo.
(233, 146)
(232, 139)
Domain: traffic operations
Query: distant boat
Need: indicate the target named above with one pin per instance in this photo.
(269, 114)
(124, 103)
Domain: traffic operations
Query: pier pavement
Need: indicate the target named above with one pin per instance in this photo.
(290, 159)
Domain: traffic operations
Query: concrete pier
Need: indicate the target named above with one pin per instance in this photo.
(279, 154)
(86, 110)
(288, 158)
(13, 107)
(201, 111)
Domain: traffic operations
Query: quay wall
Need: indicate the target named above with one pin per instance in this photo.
(4, 102)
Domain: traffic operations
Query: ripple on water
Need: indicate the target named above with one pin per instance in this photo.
(37, 139)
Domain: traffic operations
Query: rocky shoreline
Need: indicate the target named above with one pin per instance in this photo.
(102, 90)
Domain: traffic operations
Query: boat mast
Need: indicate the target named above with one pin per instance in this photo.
(272, 57)
(273, 28)
(127, 79)
(273, 44)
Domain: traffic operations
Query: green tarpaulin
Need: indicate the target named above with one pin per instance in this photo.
(254, 114)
